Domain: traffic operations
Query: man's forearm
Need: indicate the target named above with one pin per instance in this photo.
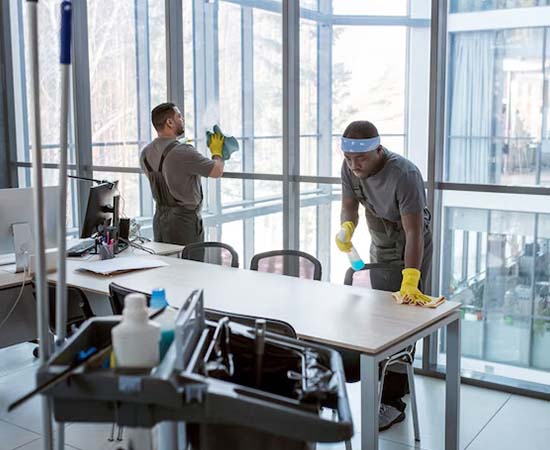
(349, 215)
(414, 250)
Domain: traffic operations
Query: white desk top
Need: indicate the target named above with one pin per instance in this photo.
(9, 278)
(351, 317)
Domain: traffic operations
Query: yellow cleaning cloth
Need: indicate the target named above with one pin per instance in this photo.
(433, 303)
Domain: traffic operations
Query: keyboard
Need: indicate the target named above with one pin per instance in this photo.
(82, 247)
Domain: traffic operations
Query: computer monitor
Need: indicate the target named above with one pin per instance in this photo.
(17, 206)
(102, 208)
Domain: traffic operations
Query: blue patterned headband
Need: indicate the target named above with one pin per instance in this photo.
(360, 145)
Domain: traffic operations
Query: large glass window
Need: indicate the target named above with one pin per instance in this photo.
(494, 246)
(483, 5)
(496, 262)
(497, 108)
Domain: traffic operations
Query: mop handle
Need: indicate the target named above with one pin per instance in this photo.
(66, 18)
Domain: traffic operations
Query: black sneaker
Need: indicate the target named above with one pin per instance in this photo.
(389, 415)
(397, 403)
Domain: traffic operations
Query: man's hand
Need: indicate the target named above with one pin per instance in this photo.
(216, 145)
(343, 238)
(409, 287)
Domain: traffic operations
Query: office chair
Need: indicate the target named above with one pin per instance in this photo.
(78, 309)
(117, 293)
(272, 325)
(211, 252)
(385, 277)
(288, 262)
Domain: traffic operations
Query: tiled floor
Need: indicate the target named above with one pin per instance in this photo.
(489, 419)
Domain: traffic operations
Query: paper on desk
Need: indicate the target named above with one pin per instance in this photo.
(120, 264)
(433, 303)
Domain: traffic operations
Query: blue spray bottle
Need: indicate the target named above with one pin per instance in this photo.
(354, 259)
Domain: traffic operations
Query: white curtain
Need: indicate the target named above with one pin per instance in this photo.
(471, 107)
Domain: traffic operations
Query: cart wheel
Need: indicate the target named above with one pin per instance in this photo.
(35, 351)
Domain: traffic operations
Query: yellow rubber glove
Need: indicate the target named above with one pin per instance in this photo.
(216, 145)
(344, 245)
(409, 287)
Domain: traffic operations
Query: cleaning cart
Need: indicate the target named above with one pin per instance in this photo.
(233, 386)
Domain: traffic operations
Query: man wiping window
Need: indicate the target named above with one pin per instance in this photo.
(174, 170)
(391, 190)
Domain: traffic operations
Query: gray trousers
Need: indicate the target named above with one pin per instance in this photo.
(177, 225)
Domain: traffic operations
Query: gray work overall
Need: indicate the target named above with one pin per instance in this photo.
(388, 241)
(172, 223)
(388, 246)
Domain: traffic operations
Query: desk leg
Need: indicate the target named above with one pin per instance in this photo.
(452, 387)
(369, 403)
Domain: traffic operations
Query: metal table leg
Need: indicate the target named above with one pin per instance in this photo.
(452, 387)
(369, 403)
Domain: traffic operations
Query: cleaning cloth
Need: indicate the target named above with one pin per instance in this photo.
(230, 144)
(433, 303)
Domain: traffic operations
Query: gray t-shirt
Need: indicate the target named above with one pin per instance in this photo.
(396, 190)
(182, 169)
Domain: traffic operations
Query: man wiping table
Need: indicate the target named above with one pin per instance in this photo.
(391, 190)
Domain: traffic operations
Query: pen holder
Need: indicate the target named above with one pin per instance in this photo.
(106, 251)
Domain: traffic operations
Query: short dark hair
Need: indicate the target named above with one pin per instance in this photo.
(161, 113)
(360, 129)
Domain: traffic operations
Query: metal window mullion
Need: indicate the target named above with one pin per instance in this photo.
(21, 123)
(211, 56)
(544, 112)
(247, 54)
(8, 171)
(82, 104)
(436, 133)
(291, 123)
(324, 133)
(143, 100)
(174, 52)
(533, 293)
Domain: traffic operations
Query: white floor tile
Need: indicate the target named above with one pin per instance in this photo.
(38, 444)
(12, 436)
(14, 386)
(16, 357)
(477, 408)
(523, 423)
(91, 436)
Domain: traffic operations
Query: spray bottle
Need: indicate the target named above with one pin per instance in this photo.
(354, 259)
(166, 320)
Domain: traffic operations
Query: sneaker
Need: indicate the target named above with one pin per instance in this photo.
(397, 403)
(388, 415)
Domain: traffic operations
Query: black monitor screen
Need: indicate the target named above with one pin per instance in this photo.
(100, 209)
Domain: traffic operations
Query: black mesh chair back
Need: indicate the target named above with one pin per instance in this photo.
(78, 307)
(272, 325)
(288, 262)
(211, 252)
(117, 293)
(384, 277)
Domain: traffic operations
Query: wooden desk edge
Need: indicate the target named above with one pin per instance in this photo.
(375, 351)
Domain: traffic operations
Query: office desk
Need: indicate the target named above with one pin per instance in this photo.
(365, 320)
(21, 326)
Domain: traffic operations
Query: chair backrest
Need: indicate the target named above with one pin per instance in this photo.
(272, 325)
(287, 262)
(211, 252)
(78, 307)
(117, 293)
(381, 276)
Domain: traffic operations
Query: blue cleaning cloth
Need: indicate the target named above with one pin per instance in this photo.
(230, 144)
